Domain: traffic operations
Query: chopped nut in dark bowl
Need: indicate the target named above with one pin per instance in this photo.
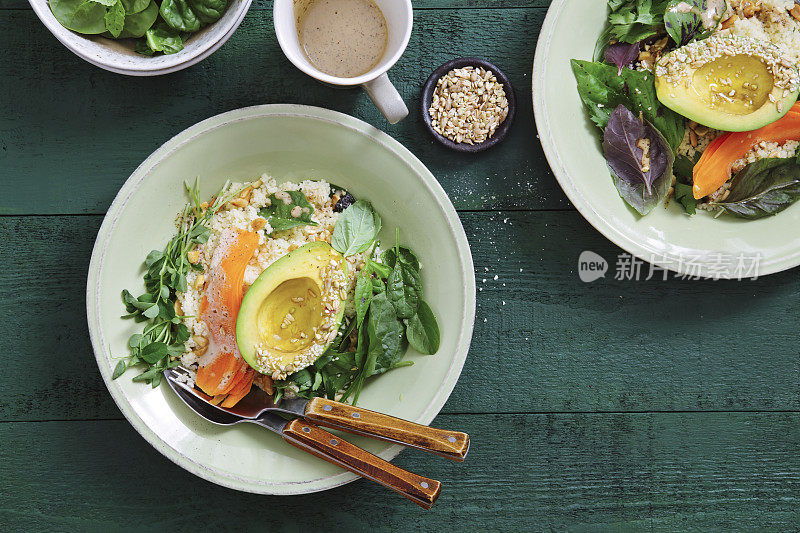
(468, 104)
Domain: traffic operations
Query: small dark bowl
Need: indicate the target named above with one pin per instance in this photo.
(427, 98)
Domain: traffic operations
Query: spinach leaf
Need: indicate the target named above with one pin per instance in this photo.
(356, 229)
(763, 188)
(162, 38)
(628, 144)
(179, 15)
(82, 16)
(363, 297)
(208, 11)
(135, 6)
(407, 257)
(138, 23)
(279, 212)
(385, 337)
(602, 89)
(404, 289)
(115, 18)
(423, 330)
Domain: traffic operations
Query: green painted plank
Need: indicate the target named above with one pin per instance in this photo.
(660, 472)
(544, 341)
(418, 4)
(76, 132)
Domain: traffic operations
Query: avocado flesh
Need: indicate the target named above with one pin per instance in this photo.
(284, 309)
(729, 94)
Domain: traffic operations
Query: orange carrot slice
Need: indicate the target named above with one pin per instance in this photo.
(220, 308)
(714, 167)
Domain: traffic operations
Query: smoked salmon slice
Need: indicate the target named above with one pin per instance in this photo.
(223, 371)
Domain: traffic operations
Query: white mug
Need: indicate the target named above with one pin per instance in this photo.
(399, 20)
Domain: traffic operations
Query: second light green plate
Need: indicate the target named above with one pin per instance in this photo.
(696, 246)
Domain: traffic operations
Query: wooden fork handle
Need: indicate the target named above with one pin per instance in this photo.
(310, 438)
(451, 444)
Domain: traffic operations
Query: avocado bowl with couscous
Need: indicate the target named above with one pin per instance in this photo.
(252, 189)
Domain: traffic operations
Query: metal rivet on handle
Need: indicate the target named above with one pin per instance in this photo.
(356, 415)
(334, 442)
(306, 429)
(451, 439)
(327, 408)
(423, 484)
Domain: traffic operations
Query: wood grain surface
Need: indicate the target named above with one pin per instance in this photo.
(617, 405)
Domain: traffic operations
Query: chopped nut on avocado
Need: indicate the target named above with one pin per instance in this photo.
(728, 83)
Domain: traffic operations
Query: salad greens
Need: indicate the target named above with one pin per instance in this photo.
(390, 312)
(162, 341)
(763, 188)
(631, 21)
(390, 315)
(602, 89)
(685, 25)
(158, 27)
(279, 213)
(639, 158)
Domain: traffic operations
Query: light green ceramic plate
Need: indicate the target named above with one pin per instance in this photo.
(291, 142)
(697, 245)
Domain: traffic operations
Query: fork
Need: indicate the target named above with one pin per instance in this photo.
(316, 441)
(323, 412)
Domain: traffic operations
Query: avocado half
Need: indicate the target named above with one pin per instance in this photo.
(730, 93)
(293, 310)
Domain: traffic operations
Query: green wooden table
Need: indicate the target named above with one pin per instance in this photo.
(663, 405)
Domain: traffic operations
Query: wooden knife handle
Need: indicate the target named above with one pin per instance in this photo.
(308, 437)
(451, 444)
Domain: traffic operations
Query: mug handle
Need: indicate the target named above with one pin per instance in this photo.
(386, 98)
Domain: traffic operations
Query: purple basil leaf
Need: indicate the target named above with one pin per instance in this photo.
(622, 54)
(620, 146)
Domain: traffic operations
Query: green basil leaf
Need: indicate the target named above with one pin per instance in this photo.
(423, 330)
(119, 370)
(279, 212)
(763, 188)
(356, 229)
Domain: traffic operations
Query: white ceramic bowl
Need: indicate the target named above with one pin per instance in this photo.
(293, 143)
(119, 55)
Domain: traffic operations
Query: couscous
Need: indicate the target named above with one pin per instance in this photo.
(284, 286)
